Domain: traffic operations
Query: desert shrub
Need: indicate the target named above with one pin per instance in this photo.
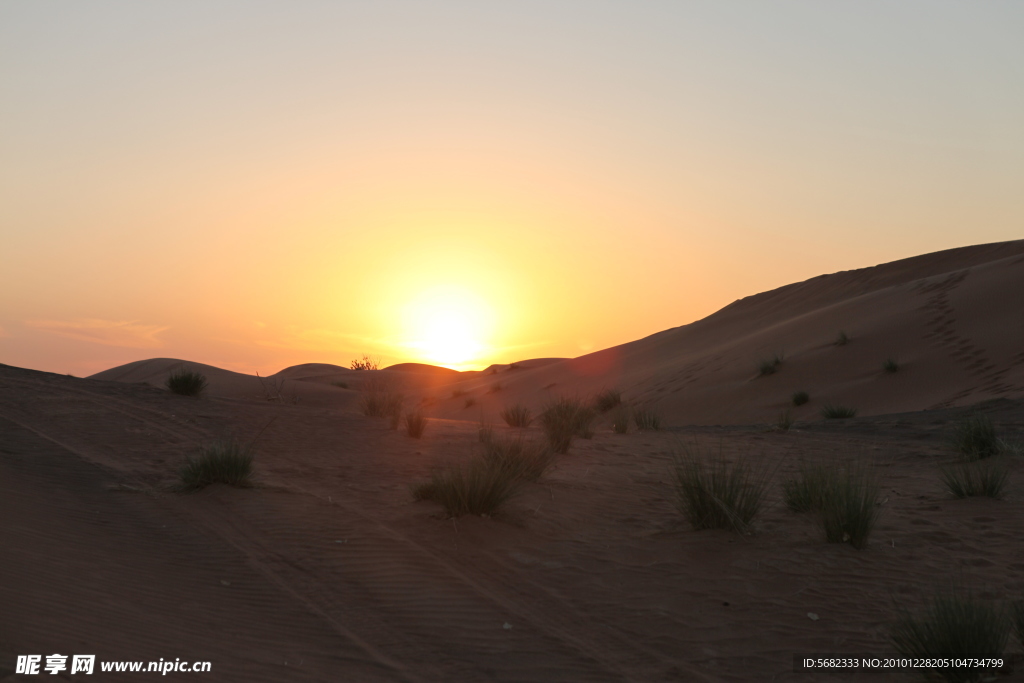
(470, 402)
(566, 418)
(977, 478)
(954, 625)
(974, 438)
(716, 494)
(494, 388)
(784, 421)
(800, 398)
(514, 366)
(607, 399)
(849, 512)
(1017, 619)
(646, 419)
(224, 462)
(458, 393)
(479, 487)
(620, 420)
(517, 416)
(415, 423)
(769, 366)
(365, 363)
(341, 385)
(186, 382)
(842, 339)
(890, 365)
(527, 460)
(381, 398)
(813, 485)
(833, 412)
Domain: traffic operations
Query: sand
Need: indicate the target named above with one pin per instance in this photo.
(328, 570)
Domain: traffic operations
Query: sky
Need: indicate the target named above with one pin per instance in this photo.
(255, 185)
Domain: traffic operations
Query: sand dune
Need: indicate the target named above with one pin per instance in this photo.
(951, 320)
(328, 570)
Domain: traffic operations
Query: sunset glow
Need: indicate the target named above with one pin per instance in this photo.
(447, 326)
(475, 183)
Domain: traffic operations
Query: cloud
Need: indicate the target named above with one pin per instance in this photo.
(123, 333)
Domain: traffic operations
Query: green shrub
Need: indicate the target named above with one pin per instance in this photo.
(954, 625)
(769, 366)
(832, 412)
(646, 419)
(526, 460)
(976, 478)
(890, 365)
(607, 399)
(415, 423)
(566, 418)
(800, 398)
(224, 462)
(479, 487)
(186, 382)
(849, 512)
(974, 438)
(716, 494)
(517, 416)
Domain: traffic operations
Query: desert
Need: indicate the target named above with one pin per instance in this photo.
(327, 568)
(561, 341)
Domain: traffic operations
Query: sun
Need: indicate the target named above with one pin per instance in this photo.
(448, 326)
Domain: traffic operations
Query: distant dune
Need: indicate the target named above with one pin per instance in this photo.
(951, 321)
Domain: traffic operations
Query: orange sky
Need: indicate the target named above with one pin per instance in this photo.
(258, 185)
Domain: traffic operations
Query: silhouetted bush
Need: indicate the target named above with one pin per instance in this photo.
(225, 462)
(646, 419)
(832, 412)
(715, 494)
(954, 625)
(976, 478)
(849, 511)
(769, 366)
(366, 363)
(607, 399)
(415, 423)
(517, 416)
(564, 419)
(974, 438)
(479, 487)
(186, 382)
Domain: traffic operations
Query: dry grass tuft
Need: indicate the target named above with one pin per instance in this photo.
(185, 382)
(517, 416)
